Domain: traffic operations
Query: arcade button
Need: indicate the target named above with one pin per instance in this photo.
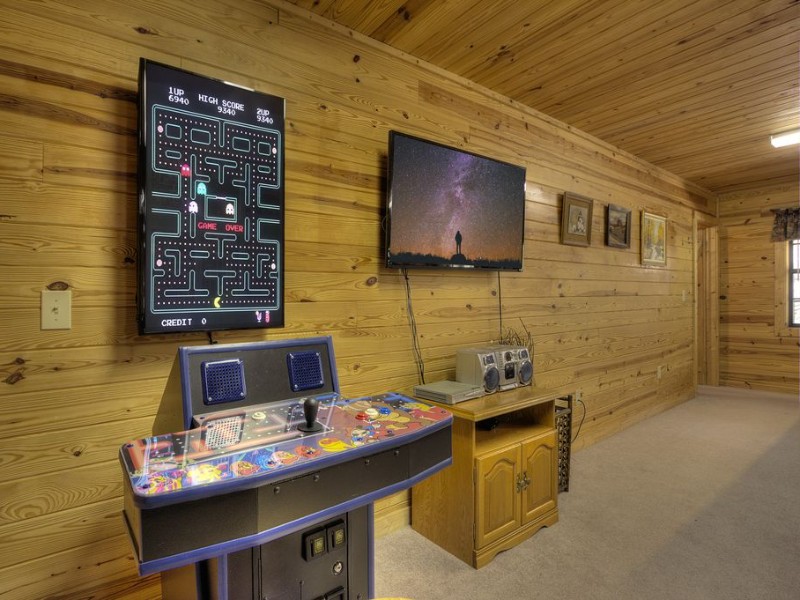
(362, 416)
(385, 410)
(337, 535)
(314, 544)
(372, 413)
(258, 416)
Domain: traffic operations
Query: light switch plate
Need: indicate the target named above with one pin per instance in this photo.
(56, 309)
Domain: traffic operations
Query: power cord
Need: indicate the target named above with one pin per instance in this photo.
(582, 419)
(500, 305)
(413, 322)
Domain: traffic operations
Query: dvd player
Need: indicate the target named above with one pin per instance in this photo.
(448, 392)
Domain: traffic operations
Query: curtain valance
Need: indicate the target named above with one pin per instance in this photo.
(787, 224)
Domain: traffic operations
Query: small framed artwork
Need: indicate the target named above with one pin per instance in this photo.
(618, 226)
(654, 239)
(576, 220)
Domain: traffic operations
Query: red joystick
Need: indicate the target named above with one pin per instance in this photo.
(310, 410)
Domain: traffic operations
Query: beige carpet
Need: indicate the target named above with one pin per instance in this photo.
(699, 502)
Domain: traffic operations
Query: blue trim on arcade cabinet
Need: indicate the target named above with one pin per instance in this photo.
(184, 352)
(222, 578)
(371, 549)
(217, 550)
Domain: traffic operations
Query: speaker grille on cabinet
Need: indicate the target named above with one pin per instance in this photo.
(223, 381)
(305, 370)
(223, 432)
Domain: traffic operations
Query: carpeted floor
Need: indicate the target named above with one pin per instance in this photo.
(699, 502)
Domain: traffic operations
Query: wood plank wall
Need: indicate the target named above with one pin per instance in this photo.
(757, 349)
(602, 323)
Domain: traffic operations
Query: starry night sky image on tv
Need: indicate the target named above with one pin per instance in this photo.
(453, 208)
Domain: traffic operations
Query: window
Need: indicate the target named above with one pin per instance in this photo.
(794, 283)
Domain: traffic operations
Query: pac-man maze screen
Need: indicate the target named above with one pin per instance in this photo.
(211, 204)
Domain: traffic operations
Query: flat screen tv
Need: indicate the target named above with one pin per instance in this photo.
(211, 204)
(451, 208)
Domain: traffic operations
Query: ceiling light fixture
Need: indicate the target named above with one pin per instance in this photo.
(779, 140)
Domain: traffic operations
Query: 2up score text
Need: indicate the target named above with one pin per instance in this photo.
(263, 116)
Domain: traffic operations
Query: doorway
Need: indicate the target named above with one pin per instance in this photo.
(707, 303)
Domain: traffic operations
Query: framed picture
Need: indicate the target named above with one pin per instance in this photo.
(618, 226)
(576, 220)
(654, 239)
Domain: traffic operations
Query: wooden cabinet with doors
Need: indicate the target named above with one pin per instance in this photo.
(514, 487)
(502, 486)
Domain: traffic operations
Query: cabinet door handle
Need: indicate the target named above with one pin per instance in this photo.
(520, 484)
(525, 481)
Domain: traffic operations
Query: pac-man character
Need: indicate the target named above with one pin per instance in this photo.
(334, 445)
(205, 473)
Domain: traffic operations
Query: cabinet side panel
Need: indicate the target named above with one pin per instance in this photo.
(442, 505)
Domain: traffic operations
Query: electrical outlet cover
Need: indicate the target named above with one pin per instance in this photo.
(56, 309)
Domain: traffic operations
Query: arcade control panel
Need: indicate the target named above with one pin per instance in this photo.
(245, 475)
(262, 472)
(268, 442)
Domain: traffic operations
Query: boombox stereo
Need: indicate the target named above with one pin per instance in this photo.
(494, 367)
(515, 366)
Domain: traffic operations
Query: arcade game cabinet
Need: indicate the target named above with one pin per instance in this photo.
(260, 477)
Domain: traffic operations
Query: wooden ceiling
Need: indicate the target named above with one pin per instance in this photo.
(693, 86)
